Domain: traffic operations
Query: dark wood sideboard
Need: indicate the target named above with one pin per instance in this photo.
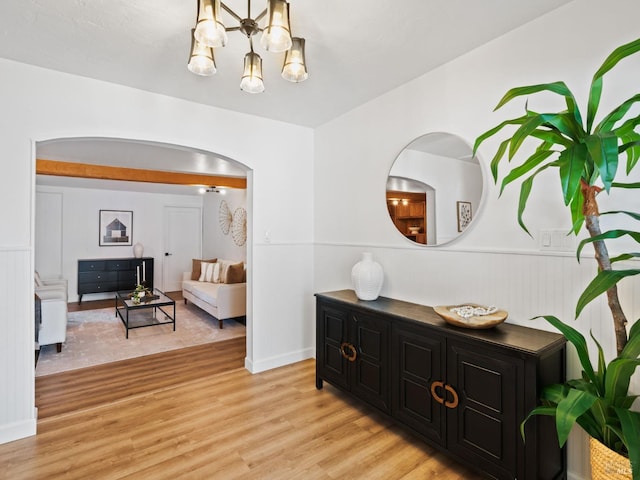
(463, 391)
(99, 275)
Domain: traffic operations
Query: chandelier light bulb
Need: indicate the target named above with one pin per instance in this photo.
(276, 36)
(210, 30)
(295, 67)
(201, 61)
(252, 77)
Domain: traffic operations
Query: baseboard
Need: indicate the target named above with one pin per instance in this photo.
(17, 430)
(279, 361)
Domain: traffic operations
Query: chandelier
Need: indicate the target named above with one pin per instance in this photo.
(211, 33)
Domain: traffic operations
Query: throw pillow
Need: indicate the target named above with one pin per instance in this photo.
(215, 277)
(203, 271)
(195, 267)
(209, 273)
(235, 273)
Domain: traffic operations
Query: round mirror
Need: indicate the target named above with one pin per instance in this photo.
(434, 189)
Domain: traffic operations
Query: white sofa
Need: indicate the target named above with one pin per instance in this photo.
(222, 300)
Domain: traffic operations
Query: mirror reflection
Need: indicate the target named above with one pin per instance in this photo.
(434, 189)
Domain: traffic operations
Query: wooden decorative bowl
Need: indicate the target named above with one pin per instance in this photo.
(481, 321)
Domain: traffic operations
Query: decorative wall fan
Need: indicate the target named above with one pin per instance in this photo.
(224, 217)
(239, 226)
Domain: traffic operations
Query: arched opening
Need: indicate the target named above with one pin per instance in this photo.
(67, 229)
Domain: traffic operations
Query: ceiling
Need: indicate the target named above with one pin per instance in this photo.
(356, 49)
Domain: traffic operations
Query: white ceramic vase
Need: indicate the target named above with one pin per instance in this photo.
(367, 277)
(138, 249)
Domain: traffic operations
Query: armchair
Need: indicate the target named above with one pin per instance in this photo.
(53, 328)
(50, 285)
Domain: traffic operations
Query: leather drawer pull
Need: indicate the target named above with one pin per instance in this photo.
(454, 403)
(437, 397)
(348, 351)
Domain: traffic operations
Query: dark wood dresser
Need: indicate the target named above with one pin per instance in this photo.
(99, 275)
(463, 391)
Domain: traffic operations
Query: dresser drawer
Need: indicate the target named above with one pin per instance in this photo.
(97, 277)
(91, 265)
(97, 287)
(118, 265)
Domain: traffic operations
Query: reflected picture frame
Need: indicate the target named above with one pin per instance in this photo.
(465, 214)
(115, 228)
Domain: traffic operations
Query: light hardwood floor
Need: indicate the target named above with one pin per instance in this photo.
(198, 414)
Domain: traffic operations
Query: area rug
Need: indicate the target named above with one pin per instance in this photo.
(98, 336)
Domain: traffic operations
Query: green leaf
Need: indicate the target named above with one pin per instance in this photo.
(603, 150)
(632, 147)
(496, 129)
(571, 163)
(601, 373)
(603, 281)
(624, 256)
(578, 341)
(577, 215)
(532, 162)
(552, 137)
(554, 393)
(596, 84)
(635, 216)
(594, 100)
(630, 422)
(618, 377)
(525, 191)
(549, 411)
(626, 185)
(568, 411)
(611, 234)
(559, 88)
(497, 157)
(632, 349)
(607, 124)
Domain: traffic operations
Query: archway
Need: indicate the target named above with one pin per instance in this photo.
(145, 156)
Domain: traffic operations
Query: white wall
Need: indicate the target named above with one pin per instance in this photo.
(215, 243)
(495, 262)
(79, 220)
(39, 104)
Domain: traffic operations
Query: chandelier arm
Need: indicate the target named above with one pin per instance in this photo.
(232, 29)
(262, 14)
(230, 12)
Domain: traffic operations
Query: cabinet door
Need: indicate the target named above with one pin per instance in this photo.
(369, 373)
(418, 362)
(331, 332)
(417, 209)
(483, 428)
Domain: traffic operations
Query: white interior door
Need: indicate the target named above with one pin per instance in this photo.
(183, 242)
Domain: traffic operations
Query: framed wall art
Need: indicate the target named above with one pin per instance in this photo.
(116, 228)
(464, 215)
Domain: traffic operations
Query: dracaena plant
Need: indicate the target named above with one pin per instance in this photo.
(587, 156)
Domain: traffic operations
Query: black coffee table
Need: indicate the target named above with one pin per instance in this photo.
(144, 314)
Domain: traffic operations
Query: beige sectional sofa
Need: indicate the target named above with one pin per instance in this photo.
(223, 293)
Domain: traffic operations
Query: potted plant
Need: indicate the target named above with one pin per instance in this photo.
(587, 155)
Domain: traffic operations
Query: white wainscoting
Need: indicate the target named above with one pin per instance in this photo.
(17, 413)
(525, 283)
